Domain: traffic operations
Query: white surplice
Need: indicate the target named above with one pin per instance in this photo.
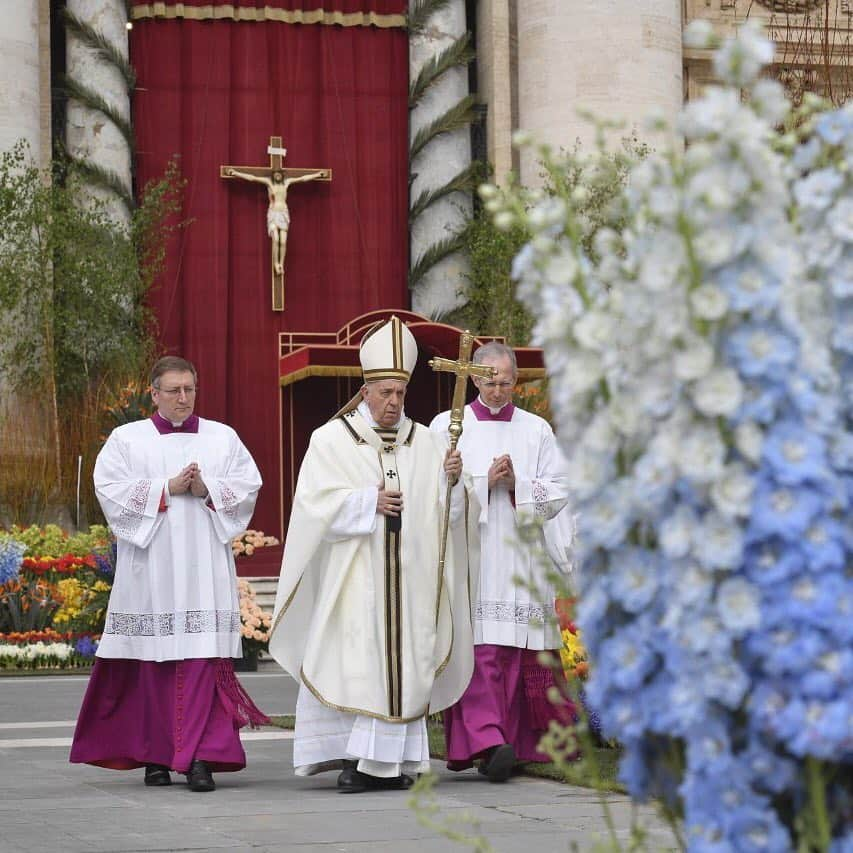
(175, 591)
(332, 611)
(507, 613)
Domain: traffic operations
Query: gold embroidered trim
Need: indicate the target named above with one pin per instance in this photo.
(318, 370)
(393, 622)
(385, 373)
(353, 434)
(361, 711)
(285, 606)
(170, 11)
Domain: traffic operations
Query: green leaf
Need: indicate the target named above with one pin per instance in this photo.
(431, 256)
(420, 13)
(460, 115)
(81, 93)
(463, 182)
(460, 53)
(98, 42)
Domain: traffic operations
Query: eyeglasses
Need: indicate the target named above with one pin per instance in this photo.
(176, 392)
(502, 385)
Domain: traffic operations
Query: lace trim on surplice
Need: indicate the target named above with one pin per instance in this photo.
(169, 624)
(132, 513)
(229, 502)
(509, 611)
(539, 492)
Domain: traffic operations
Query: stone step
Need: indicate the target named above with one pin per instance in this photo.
(265, 590)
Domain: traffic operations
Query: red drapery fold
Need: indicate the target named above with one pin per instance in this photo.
(213, 93)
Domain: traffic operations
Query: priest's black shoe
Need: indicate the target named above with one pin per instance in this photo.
(498, 766)
(157, 775)
(200, 778)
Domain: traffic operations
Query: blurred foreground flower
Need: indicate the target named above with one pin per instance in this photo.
(700, 367)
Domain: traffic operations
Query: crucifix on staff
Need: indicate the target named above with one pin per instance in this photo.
(277, 179)
(464, 369)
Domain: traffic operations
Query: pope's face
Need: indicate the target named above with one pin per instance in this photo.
(385, 400)
(175, 395)
(497, 391)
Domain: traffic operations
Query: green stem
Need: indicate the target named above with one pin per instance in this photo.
(817, 802)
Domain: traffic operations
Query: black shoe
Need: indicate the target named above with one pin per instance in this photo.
(498, 766)
(350, 781)
(200, 778)
(395, 783)
(157, 775)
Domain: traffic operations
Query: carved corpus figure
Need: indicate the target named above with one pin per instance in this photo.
(278, 214)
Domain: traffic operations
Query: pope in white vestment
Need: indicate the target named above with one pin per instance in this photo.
(175, 489)
(376, 635)
(518, 475)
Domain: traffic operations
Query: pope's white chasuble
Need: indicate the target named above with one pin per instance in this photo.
(506, 612)
(175, 590)
(362, 618)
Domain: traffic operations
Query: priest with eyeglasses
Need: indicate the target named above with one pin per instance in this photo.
(377, 635)
(175, 489)
(526, 531)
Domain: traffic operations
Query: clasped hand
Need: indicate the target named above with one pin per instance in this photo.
(502, 473)
(188, 480)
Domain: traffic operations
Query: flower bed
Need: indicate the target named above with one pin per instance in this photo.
(54, 591)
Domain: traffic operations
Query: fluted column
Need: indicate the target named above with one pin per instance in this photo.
(90, 135)
(441, 160)
(20, 81)
(618, 58)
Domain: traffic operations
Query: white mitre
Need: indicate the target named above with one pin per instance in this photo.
(388, 351)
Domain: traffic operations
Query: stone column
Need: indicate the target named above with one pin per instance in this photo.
(20, 77)
(495, 82)
(618, 58)
(444, 157)
(90, 135)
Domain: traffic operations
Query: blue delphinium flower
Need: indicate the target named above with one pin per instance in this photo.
(629, 658)
(758, 830)
(709, 745)
(795, 454)
(771, 560)
(769, 771)
(761, 350)
(11, 556)
(634, 577)
(750, 287)
(761, 402)
(783, 511)
(834, 127)
(823, 545)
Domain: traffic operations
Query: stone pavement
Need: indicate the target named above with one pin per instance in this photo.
(47, 804)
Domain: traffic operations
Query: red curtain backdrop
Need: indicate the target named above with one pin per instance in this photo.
(213, 93)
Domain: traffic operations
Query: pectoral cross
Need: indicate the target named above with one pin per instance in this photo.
(277, 179)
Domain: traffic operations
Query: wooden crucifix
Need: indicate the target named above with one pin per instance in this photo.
(464, 368)
(277, 179)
